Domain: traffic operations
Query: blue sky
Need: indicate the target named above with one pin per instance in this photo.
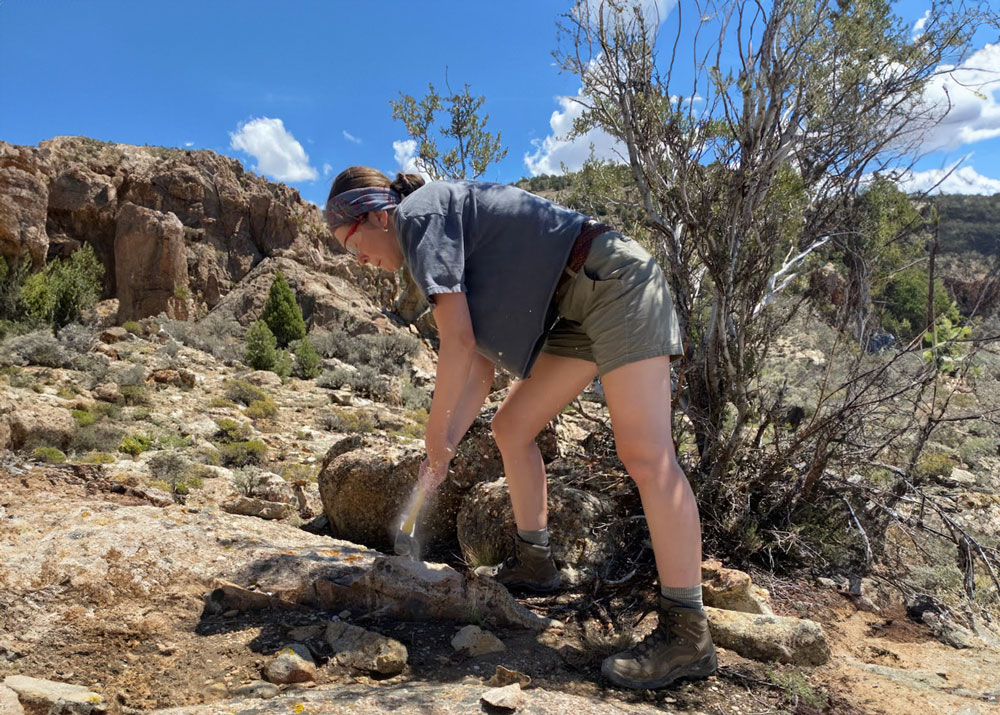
(300, 89)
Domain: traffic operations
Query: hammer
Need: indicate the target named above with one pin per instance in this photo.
(406, 544)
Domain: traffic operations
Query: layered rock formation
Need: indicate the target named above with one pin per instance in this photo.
(197, 225)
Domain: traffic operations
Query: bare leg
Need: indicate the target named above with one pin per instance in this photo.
(529, 406)
(638, 396)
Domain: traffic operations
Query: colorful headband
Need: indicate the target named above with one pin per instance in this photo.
(349, 206)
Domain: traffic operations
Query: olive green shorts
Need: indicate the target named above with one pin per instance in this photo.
(617, 309)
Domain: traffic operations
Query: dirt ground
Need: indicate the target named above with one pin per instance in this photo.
(144, 653)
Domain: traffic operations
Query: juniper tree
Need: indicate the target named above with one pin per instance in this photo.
(282, 313)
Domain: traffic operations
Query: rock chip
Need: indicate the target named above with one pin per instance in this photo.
(732, 589)
(769, 638)
(53, 696)
(508, 697)
(362, 649)
(292, 664)
(474, 641)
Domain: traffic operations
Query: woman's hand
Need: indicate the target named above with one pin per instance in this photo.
(429, 478)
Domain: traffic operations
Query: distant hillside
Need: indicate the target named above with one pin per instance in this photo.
(969, 223)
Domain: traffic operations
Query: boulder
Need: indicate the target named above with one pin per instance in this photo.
(355, 647)
(365, 491)
(292, 664)
(24, 197)
(486, 527)
(263, 378)
(477, 458)
(51, 696)
(150, 264)
(732, 590)
(769, 638)
(41, 425)
(108, 392)
(271, 487)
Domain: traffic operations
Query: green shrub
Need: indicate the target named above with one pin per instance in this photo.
(282, 364)
(261, 347)
(135, 395)
(243, 392)
(102, 436)
(84, 418)
(135, 444)
(242, 454)
(57, 294)
(133, 327)
(307, 360)
(97, 458)
(262, 409)
(935, 464)
(415, 398)
(40, 347)
(51, 455)
(343, 421)
(282, 313)
(232, 431)
(905, 300)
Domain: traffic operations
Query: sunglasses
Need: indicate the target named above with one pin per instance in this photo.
(352, 249)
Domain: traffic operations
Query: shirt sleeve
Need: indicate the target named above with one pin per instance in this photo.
(434, 248)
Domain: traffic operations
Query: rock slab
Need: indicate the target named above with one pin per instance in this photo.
(769, 638)
(293, 664)
(56, 697)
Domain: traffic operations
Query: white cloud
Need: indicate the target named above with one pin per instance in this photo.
(918, 26)
(555, 153)
(963, 180)
(277, 152)
(188, 144)
(327, 170)
(971, 95)
(405, 154)
(351, 138)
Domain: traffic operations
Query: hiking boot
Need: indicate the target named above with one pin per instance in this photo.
(680, 647)
(530, 568)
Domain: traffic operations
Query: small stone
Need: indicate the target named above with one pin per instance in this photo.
(358, 648)
(962, 476)
(475, 641)
(257, 689)
(507, 698)
(231, 613)
(503, 677)
(344, 615)
(293, 664)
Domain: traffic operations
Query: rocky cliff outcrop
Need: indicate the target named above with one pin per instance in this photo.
(74, 190)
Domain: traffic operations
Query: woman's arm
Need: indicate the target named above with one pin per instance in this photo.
(455, 360)
(477, 387)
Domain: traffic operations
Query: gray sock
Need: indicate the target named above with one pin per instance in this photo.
(538, 538)
(686, 596)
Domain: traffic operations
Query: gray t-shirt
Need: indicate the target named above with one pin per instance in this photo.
(503, 247)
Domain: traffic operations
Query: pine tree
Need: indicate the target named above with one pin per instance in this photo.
(282, 313)
(261, 347)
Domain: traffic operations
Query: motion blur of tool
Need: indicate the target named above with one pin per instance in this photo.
(406, 543)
